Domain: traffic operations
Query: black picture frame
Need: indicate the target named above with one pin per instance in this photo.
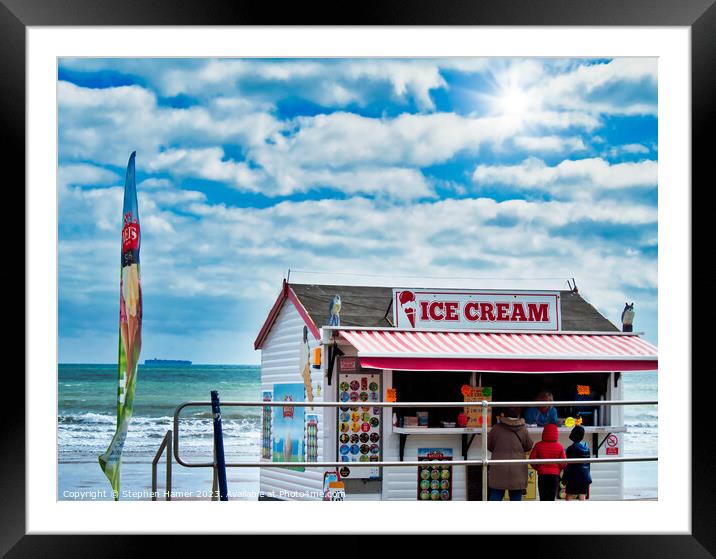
(698, 15)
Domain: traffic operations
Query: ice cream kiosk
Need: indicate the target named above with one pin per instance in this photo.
(360, 344)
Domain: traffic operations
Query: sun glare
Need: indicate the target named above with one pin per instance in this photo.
(512, 101)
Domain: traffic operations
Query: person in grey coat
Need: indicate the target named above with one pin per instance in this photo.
(508, 440)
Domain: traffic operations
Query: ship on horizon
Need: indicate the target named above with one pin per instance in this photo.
(166, 363)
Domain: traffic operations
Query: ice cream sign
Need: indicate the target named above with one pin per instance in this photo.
(486, 310)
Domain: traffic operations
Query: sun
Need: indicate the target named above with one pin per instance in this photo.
(511, 101)
(509, 94)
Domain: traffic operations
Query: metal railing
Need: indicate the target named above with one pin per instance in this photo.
(166, 443)
(482, 431)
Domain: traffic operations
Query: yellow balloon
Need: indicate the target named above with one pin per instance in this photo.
(569, 422)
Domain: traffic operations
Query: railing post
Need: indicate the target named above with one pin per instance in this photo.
(169, 465)
(166, 444)
(214, 478)
(485, 410)
(219, 446)
(154, 480)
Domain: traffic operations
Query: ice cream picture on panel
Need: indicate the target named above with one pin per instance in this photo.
(407, 303)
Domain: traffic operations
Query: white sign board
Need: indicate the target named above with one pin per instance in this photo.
(476, 310)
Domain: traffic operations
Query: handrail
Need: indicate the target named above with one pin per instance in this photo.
(484, 405)
(166, 443)
(475, 462)
(525, 404)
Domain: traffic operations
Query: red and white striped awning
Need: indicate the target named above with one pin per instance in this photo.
(501, 352)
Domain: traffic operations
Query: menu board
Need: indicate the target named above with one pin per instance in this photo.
(434, 480)
(474, 413)
(360, 433)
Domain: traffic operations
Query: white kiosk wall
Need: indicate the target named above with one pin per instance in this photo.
(280, 356)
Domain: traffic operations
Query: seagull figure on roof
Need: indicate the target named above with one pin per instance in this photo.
(334, 309)
(627, 317)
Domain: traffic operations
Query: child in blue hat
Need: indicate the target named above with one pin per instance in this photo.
(577, 476)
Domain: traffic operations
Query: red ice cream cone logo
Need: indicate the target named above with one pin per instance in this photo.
(407, 303)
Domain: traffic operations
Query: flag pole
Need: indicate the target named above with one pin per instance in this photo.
(130, 328)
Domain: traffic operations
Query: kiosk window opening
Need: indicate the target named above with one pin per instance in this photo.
(423, 386)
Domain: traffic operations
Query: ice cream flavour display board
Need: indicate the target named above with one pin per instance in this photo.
(434, 479)
(360, 432)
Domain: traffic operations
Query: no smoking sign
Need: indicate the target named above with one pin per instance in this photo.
(612, 444)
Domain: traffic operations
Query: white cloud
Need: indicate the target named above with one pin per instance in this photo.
(220, 251)
(602, 88)
(106, 125)
(635, 148)
(341, 139)
(341, 151)
(173, 198)
(154, 183)
(83, 174)
(554, 144)
(570, 177)
(615, 87)
(207, 163)
(211, 252)
(98, 208)
(628, 149)
(326, 82)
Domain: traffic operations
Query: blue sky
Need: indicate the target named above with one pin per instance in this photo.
(436, 168)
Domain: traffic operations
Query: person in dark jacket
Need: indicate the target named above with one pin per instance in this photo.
(548, 473)
(577, 477)
(508, 440)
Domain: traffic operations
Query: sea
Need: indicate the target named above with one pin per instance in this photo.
(87, 418)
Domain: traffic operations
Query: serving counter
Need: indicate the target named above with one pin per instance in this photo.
(468, 434)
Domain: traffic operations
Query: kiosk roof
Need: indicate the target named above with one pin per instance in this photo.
(371, 306)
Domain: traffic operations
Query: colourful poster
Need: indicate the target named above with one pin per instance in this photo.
(287, 425)
(266, 426)
(130, 328)
(435, 480)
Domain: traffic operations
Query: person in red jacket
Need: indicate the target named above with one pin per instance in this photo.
(548, 473)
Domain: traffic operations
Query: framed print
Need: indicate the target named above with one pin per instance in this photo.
(500, 178)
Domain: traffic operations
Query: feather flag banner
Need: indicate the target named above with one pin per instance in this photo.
(130, 328)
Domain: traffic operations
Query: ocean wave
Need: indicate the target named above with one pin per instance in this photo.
(102, 418)
(91, 433)
(641, 425)
(87, 417)
(641, 413)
